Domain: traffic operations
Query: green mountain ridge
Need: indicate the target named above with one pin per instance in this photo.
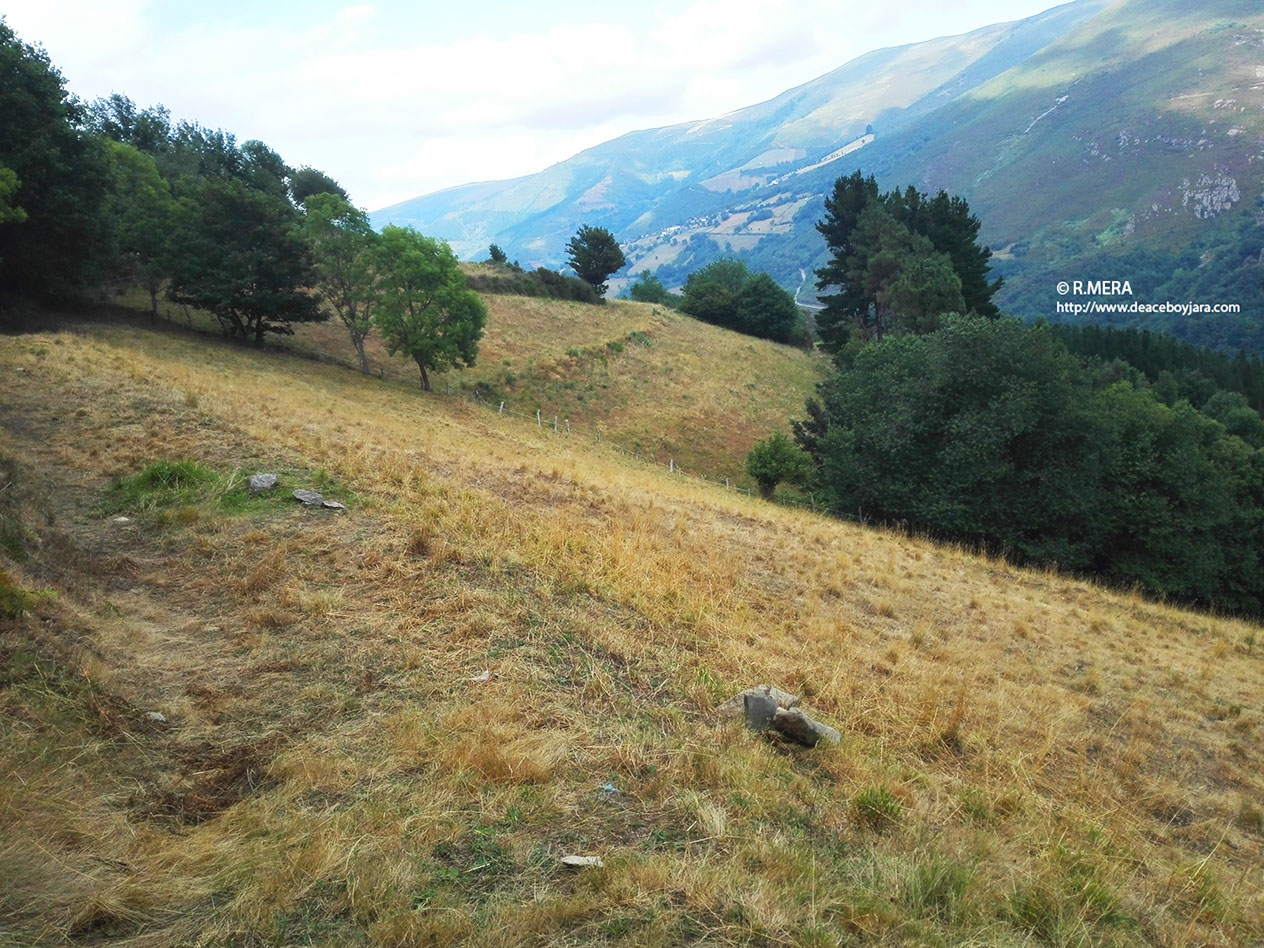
(648, 181)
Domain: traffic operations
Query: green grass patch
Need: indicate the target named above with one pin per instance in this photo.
(181, 493)
(877, 808)
(163, 484)
(16, 601)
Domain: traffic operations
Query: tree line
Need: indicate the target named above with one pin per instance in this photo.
(1122, 455)
(106, 192)
(727, 293)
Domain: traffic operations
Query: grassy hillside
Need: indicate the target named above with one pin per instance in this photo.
(1025, 760)
(645, 377)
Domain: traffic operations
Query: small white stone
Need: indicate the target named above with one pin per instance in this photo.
(582, 862)
(122, 520)
(157, 717)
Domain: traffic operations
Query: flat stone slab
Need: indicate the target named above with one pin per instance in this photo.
(798, 727)
(760, 710)
(737, 704)
(309, 498)
(333, 505)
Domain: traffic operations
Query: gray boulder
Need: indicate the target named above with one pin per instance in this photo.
(308, 498)
(260, 482)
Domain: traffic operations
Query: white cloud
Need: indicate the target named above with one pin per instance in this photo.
(392, 115)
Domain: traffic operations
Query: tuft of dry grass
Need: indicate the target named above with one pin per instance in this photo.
(1026, 758)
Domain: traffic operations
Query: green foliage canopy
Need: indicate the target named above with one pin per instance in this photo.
(117, 118)
(991, 433)
(776, 459)
(53, 173)
(425, 310)
(343, 246)
(239, 253)
(726, 293)
(143, 213)
(10, 213)
(307, 181)
(898, 261)
(594, 254)
(648, 288)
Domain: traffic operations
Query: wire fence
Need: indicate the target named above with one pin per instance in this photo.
(563, 426)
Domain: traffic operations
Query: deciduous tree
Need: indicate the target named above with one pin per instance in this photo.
(343, 246)
(776, 459)
(307, 181)
(240, 254)
(10, 213)
(726, 293)
(425, 310)
(57, 177)
(143, 214)
(649, 289)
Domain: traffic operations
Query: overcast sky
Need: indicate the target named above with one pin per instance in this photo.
(398, 99)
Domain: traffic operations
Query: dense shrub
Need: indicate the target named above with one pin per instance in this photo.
(992, 433)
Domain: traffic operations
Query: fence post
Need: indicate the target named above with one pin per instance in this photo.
(812, 497)
(671, 466)
(555, 422)
(501, 410)
(538, 422)
(448, 386)
(726, 483)
(568, 426)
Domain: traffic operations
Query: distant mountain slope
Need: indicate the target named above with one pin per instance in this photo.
(1119, 141)
(651, 180)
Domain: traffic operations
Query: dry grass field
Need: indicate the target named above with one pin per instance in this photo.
(1026, 759)
(648, 378)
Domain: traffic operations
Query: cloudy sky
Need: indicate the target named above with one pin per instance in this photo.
(397, 99)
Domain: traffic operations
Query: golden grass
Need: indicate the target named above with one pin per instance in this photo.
(652, 380)
(1064, 764)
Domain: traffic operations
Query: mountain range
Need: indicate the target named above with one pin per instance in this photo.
(1097, 141)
